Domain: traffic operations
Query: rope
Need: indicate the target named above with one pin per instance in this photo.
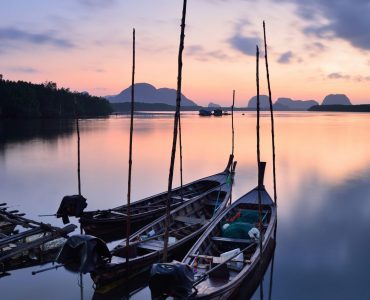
(218, 197)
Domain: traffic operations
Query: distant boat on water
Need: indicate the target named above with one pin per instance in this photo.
(217, 112)
(205, 113)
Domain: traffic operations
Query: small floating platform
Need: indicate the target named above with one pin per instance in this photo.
(25, 242)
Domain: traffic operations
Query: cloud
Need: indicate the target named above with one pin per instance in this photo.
(346, 19)
(225, 1)
(338, 76)
(246, 45)
(10, 35)
(243, 43)
(360, 78)
(28, 70)
(286, 57)
(199, 53)
(97, 4)
(357, 78)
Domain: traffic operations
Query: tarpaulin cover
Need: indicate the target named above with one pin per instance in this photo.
(82, 253)
(71, 206)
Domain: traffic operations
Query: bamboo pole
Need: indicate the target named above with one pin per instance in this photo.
(180, 141)
(176, 121)
(78, 156)
(271, 115)
(232, 138)
(272, 266)
(259, 161)
(128, 220)
(232, 124)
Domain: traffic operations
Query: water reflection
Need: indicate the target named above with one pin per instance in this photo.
(325, 245)
(15, 132)
(323, 173)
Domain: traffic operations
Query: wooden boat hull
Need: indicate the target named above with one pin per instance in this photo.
(210, 244)
(245, 287)
(111, 273)
(111, 230)
(111, 224)
(183, 226)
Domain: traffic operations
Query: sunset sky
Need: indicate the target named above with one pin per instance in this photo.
(316, 47)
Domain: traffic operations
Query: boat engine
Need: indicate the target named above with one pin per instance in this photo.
(171, 279)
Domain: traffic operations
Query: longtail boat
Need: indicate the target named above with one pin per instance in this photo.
(110, 224)
(186, 223)
(227, 253)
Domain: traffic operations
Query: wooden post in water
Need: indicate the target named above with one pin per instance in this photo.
(79, 185)
(78, 156)
(128, 220)
(232, 124)
(180, 141)
(259, 161)
(232, 138)
(175, 129)
(271, 114)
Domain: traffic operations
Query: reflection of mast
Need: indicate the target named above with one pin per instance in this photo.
(272, 264)
(81, 285)
(79, 193)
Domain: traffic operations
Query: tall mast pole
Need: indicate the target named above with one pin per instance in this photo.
(128, 222)
(175, 130)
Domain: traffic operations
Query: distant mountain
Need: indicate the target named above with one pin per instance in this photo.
(290, 104)
(147, 93)
(335, 99)
(125, 107)
(264, 102)
(214, 105)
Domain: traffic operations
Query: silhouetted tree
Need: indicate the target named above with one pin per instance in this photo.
(26, 100)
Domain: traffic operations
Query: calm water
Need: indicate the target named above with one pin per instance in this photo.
(323, 175)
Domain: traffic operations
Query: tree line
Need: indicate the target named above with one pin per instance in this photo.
(19, 99)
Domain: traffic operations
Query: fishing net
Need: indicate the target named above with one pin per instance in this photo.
(237, 230)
